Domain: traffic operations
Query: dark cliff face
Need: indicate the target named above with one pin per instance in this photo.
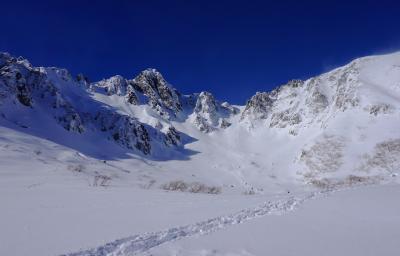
(161, 96)
(150, 86)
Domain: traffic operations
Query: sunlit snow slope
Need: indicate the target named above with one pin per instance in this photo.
(339, 128)
(85, 163)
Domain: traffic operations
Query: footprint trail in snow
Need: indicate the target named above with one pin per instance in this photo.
(144, 242)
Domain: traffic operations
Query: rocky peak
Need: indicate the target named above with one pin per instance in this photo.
(209, 115)
(16, 75)
(53, 92)
(162, 96)
(61, 73)
(4, 58)
(117, 85)
(231, 109)
(259, 105)
(295, 83)
(20, 83)
(205, 112)
(83, 80)
(206, 104)
(114, 85)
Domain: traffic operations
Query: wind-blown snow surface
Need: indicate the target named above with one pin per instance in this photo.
(83, 164)
(364, 222)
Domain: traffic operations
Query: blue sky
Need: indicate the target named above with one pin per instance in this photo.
(230, 48)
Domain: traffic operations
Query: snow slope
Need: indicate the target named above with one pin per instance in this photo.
(331, 129)
(365, 222)
(147, 241)
(54, 214)
(95, 162)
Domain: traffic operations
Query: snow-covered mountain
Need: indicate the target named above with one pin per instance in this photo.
(341, 127)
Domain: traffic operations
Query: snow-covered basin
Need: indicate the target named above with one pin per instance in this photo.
(66, 215)
(363, 221)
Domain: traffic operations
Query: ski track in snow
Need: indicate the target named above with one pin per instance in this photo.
(144, 242)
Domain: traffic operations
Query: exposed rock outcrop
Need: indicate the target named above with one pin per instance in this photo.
(162, 97)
